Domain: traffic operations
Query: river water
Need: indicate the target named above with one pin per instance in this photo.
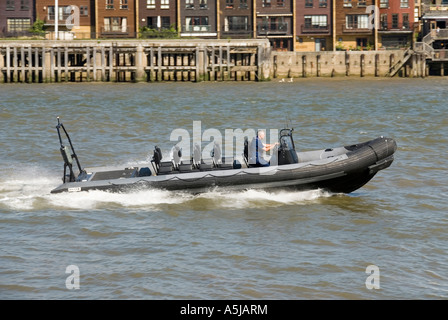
(223, 245)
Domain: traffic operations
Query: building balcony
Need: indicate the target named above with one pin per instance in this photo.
(50, 19)
(115, 31)
(237, 29)
(356, 29)
(404, 27)
(197, 28)
(435, 9)
(274, 29)
(315, 29)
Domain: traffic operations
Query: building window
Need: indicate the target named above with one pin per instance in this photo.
(109, 4)
(164, 4)
(362, 3)
(243, 4)
(229, 4)
(158, 22)
(361, 42)
(10, 5)
(316, 22)
(151, 22)
(115, 24)
(63, 13)
(166, 23)
(357, 21)
(18, 24)
(323, 3)
(123, 4)
(196, 24)
(266, 3)
(347, 3)
(236, 24)
(383, 21)
(384, 4)
(308, 3)
(24, 4)
(150, 4)
(405, 20)
(280, 3)
(203, 4)
(189, 4)
(395, 21)
(84, 11)
(404, 3)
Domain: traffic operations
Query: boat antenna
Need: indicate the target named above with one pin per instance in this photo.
(289, 123)
(66, 155)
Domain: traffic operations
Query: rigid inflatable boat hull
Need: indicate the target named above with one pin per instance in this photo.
(340, 170)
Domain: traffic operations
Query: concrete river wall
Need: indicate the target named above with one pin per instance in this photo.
(182, 60)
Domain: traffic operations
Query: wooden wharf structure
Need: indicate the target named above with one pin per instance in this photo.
(134, 60)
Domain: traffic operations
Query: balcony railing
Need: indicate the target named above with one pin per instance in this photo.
(277, 28)
(435, 9)
(62, 17)
(315, 29)
(114, 30)
(237, 28)
(404, 26)
(355, 29)
(439, 34)
(197, 28)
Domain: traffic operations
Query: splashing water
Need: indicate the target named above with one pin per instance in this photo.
(28, 191)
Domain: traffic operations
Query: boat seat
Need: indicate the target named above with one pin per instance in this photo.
(204, 166)
(225, 163)
(177, 156)
(187, 166)
(161, 167)
(198, 162)
(166, 167)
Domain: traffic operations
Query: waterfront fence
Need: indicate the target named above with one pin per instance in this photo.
(127, 60)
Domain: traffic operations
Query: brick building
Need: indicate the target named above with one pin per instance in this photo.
(275, 21)
(157, 14)
(353, 25)
(75, 18)
(236, 19)
(314, 25)
(115, 18)
(396, 26)
(16, 17)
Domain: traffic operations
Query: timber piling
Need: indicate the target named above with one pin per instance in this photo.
(134, 60)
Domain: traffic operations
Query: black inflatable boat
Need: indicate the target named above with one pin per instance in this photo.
(338, 170)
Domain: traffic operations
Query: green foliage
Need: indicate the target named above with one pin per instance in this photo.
(340, 46)
(38, 28)
(151, 33)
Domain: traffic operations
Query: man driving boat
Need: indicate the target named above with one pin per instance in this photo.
(257, 150)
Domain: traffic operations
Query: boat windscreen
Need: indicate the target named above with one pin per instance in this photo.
(286, 143)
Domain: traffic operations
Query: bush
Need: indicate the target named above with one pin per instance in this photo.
(146, 32)
(38, 28)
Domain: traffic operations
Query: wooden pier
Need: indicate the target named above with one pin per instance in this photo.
(133, 60)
